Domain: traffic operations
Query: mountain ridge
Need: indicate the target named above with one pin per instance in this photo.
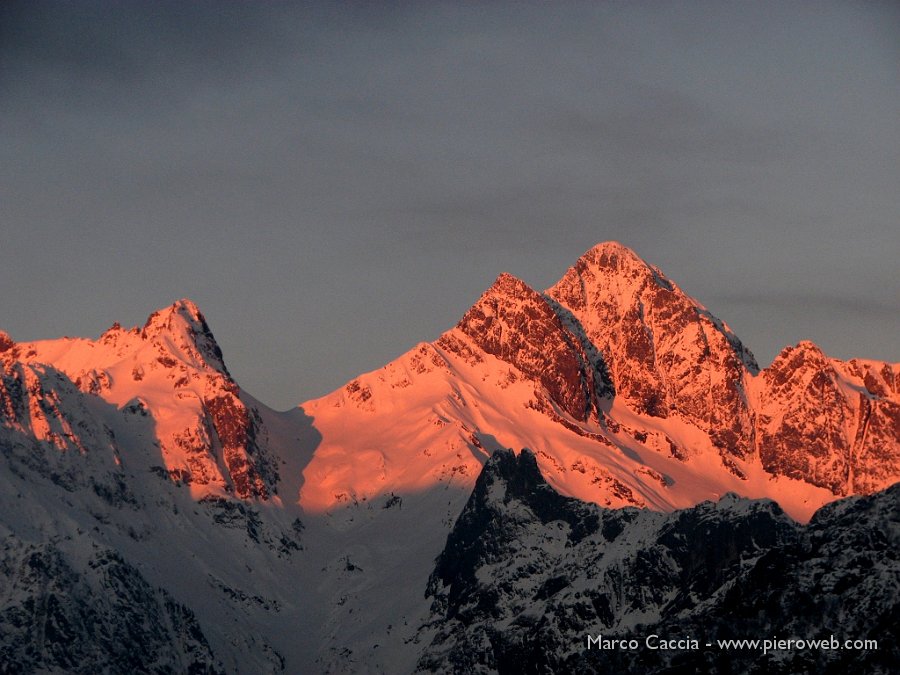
(615, 354)
(304, 540)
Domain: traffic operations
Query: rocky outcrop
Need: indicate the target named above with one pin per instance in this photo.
(253, 472)
(516, 324)
(184, 321)
(832, 424)
(527, 575)
(6, 342)
(666, 354)
(61, 615)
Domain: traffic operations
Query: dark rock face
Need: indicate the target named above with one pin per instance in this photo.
(13, 403)
(253, 472)
(527, 575)
(59, 615)
(520, 479)
(6, 342)
(514, 323)
(805, 386)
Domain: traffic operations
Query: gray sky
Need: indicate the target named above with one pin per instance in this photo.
(333, 183)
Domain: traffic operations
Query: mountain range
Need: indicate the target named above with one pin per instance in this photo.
(159, 518)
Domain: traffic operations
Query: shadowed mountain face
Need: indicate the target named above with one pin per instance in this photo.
(231, 520)
(527, 574)
(102, 616)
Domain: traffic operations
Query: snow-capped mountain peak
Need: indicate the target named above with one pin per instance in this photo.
(171, 373)
(518, 325)
(627, 390)
(184, 327)
(667, 355)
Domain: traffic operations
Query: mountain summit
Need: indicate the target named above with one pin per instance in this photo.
(170, 373)
(666, 353)
(519, 326)
(184, 323)
(628, 391)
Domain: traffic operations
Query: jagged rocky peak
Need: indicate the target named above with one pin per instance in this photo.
(183, 322)
(610, 286)
(507, 476)
(665, 352)
(805, 350)
(519, 474)
(488, 523)
(515, 323)
(113, 334)
(833, 424)
(180, 315)
(608, 268)
(224, 416)
(798, 367)
(797, 358)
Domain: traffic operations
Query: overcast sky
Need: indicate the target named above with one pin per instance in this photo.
(334, 183)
